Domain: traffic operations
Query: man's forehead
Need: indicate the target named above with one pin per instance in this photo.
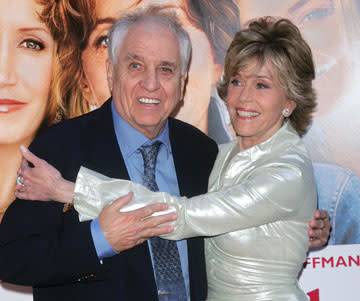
(143, 42)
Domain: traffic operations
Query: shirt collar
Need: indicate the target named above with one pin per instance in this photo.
(130, 139)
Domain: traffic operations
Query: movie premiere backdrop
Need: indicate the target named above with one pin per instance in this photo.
(331, 27)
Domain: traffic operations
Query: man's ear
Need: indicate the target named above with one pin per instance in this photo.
(184, 80)
(110, 74)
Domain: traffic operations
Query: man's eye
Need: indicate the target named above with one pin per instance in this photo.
(166, 69)
(134, 65)
(32, 44)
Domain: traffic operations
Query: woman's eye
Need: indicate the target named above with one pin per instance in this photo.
(102, 41)
(319, 13)
(261, 86)
(32, 44)
(236, 82)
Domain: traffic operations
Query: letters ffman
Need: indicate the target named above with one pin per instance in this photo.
(332, 262)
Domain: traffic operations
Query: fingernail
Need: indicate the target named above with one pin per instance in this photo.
(23, 148)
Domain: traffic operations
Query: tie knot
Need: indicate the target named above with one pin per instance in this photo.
(149, 153)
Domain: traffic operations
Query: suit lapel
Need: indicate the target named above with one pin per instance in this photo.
(104, 154)
(183, 166)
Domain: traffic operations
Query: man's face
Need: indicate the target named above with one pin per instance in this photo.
(202, 74)
(146, 81)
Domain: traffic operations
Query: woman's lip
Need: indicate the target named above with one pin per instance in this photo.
(246, 114)
(10, 105)
(244, 109)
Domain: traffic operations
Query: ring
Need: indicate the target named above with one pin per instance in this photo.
(19, 180)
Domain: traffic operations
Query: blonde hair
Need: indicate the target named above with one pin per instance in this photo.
(70, 23)
(277, 43)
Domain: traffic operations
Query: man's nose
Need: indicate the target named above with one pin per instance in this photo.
(150, 80)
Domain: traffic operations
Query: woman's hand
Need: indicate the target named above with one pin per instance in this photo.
(43, 182)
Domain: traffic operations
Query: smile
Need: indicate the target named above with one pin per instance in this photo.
(247, 114)
(9, 105)
(149, 101)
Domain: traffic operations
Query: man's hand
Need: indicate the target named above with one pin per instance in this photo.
(43, 182)
(124, 230)
(319, 229)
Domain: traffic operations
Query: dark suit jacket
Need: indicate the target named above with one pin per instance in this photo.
(52, 251)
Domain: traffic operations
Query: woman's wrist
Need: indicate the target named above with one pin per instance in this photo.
(65, 191)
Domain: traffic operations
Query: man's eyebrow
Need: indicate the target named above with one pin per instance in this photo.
(133, 56)
(167, 63)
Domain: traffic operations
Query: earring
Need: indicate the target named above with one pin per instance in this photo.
(286, 112)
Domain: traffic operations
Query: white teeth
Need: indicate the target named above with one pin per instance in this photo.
(4, 109)
(149, 100)
(247, 114)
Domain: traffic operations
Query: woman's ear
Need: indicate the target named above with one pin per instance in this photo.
(217, 71)
(88, 93)
(289, 108)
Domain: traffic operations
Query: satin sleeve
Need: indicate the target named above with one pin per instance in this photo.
(272, 193)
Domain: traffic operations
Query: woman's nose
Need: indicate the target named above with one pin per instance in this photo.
(7, 68)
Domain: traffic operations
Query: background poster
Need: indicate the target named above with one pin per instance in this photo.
(331, 27)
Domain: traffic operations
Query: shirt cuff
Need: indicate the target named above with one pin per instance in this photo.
(102, 246)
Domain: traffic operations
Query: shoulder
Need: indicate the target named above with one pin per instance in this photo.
(71, 139)
(186, 132)
(71, 130)
(77, 125)
(195, 141)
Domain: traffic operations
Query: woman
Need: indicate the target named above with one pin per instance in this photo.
(261, 191)
(36, 81)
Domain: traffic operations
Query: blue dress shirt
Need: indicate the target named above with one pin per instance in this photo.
(129, 141)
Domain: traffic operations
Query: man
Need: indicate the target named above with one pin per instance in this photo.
(67, 260)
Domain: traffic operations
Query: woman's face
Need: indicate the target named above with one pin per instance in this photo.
(26, 63)
(201, 74)
(322, 27)
(255, 102)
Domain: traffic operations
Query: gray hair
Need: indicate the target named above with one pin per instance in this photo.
(151, 14)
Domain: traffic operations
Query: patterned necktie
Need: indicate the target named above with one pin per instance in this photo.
(169, 277)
